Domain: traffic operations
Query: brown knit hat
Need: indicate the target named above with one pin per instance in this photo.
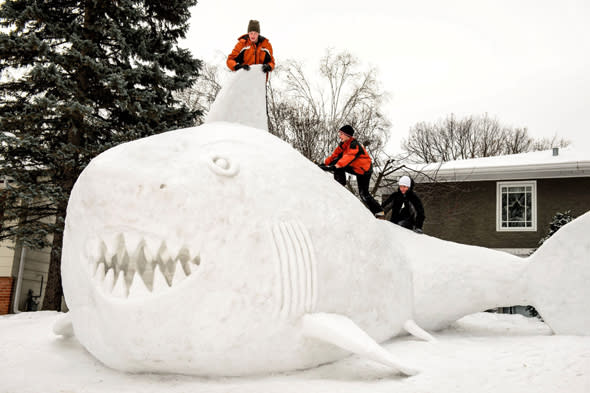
(254, 25)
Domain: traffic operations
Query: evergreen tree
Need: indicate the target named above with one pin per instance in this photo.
(76, 78)
(559, 220)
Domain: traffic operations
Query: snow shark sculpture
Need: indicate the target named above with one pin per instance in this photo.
(220, 250)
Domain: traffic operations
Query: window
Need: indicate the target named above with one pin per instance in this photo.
(516, 206)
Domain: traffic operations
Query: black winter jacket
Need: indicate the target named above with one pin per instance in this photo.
(406, 207)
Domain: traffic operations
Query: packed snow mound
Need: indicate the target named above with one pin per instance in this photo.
(235, 225)
(560, 268)
(458, 280)
(221, 250)
(242, 99)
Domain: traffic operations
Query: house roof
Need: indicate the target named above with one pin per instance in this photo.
(567, 162)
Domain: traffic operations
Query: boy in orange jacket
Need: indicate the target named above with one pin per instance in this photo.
(252, 48)
(350, 156)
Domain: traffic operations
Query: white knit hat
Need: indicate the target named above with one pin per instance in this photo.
(404, 181)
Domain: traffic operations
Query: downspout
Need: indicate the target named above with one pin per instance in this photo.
(19, 279)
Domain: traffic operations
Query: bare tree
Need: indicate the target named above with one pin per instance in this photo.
(545, 143)
(201, 95)
(470, 137)
(307, 115)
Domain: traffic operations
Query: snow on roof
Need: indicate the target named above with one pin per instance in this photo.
(555, 163)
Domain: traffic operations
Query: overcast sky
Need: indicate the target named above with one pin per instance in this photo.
(525, 62)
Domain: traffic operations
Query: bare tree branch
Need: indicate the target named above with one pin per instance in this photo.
(470, 137)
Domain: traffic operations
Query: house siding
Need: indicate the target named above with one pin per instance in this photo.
(466, 212)
(6, 258)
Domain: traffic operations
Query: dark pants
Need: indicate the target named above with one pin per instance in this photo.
(406, 224)
(363, 183)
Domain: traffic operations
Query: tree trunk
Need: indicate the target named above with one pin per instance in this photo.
(54, 290)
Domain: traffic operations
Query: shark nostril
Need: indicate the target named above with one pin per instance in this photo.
(222, 165)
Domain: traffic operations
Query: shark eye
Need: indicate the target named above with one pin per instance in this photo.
(222, 165)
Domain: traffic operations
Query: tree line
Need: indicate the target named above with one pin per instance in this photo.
(77, 78)
(470, 137)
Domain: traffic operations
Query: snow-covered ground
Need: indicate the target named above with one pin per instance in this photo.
(480, 353)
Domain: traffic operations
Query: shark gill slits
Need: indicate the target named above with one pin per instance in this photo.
(296, 268)
(128, 266)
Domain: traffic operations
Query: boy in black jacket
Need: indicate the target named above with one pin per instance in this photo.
(407, 210)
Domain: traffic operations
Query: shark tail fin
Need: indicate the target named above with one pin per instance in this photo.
(411, 327)
(344, 333)
(559, 273)
(63, 326)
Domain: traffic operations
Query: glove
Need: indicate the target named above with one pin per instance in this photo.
(418, 231)
(244, 66)
(266, 68)
(328, 168)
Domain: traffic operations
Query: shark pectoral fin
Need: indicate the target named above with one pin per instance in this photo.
(411, 327)
(344, 333)
(63, 326)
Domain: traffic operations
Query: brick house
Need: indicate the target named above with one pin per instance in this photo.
(504, 202)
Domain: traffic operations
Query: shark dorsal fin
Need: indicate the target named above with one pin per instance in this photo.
(242, 99)
(344, 333)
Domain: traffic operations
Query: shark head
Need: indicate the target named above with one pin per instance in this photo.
(180, 247)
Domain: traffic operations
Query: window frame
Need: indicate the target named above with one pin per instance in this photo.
(524, 183)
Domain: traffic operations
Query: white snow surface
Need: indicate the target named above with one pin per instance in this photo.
(483, 353)
(242, 99)
(200, 251)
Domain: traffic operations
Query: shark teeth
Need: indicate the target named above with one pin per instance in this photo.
(131, 266)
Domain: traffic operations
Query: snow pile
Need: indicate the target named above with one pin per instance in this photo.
(242, 99)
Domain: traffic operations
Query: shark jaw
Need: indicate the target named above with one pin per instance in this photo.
(126, 265)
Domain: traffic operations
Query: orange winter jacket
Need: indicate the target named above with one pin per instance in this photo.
(246, 52)
(351, 154)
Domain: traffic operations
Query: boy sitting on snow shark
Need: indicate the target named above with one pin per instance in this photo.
(164, 272)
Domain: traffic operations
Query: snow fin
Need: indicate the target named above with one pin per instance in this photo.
(344, 333)
(63, 326)
(411, 327)
(558, 276)
(242, 99)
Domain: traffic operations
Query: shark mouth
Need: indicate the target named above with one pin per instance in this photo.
(127, 266)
